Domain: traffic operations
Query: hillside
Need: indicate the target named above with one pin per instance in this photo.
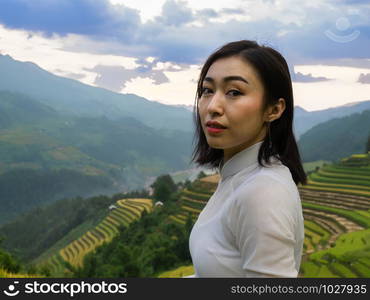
(146, 247)
(336, 138)
(34, 232)
(74, 98)
(72, 248)
(305, 120)
(124, 236)
(46, 156)
(69, 237)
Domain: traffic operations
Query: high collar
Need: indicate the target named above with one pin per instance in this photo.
(239, 161)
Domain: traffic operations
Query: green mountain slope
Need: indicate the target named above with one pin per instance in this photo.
(46, 155)
(75, 98)
(337, 138)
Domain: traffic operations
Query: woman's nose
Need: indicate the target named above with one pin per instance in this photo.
(216, 104)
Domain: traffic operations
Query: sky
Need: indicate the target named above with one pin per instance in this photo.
(155, 49)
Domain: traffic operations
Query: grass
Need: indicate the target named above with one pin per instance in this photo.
(178, 272)
(6, 274)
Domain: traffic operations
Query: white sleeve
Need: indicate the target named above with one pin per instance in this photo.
(262, 221)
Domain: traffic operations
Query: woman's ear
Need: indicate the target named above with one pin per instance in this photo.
(276, 110)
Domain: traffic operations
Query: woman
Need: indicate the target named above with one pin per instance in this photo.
(252, 226)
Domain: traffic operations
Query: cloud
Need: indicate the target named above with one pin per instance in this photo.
(175, 13)
(360, 63)
(86, 17)
(310, 44)
(299, 77)
(355, 2)
(98, 27)
(232, 11)
(206, 12)
(115, 77)
(364, 78)
(76, 76)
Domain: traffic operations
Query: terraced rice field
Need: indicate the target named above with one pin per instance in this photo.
(194, 199)
(127, 211)
(6, 274)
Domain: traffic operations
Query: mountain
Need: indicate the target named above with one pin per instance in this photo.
(305, 120)
(46, 155)
(336, 138)
(188, 107)
(20, 109)
(61, 138)
(75, 98)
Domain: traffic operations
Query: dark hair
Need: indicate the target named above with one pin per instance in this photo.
(273, 71)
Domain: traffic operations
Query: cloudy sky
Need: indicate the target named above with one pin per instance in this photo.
(155, 49)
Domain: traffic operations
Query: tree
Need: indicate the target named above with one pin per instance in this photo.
(163, 188)
(201, 174)
(368, 144)
(185, 184)
(45, 270)
(7, 261)
(188, 224)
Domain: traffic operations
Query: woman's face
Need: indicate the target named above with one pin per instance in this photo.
(232, 94)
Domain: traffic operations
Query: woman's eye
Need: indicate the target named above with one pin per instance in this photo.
(235, 93)
(206, 90)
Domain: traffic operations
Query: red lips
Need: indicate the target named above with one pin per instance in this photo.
(215, 124)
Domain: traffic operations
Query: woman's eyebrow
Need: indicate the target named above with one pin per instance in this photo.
(228, 78)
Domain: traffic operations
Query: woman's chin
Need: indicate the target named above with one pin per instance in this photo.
(215, 145)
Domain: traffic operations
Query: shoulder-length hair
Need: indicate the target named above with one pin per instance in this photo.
(274, 74)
